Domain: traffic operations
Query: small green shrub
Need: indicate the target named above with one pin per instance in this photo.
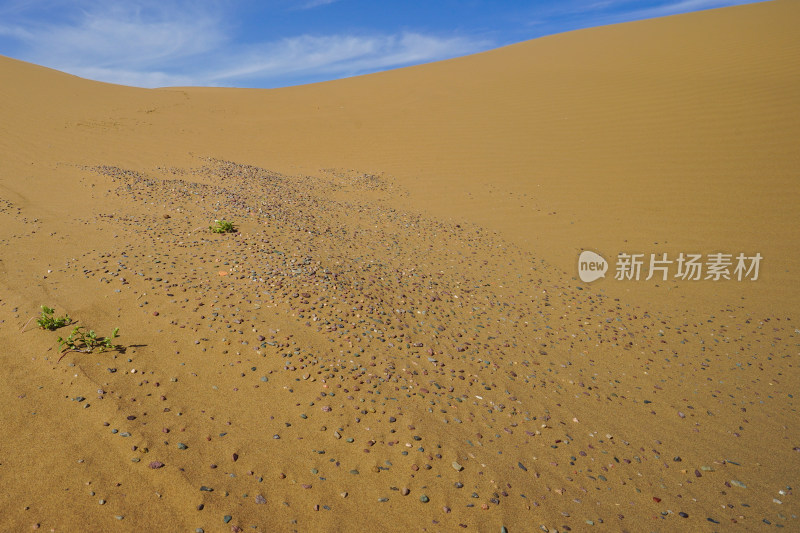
(222, 226)
(86, 341)
(47, 321)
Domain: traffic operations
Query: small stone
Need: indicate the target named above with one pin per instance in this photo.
(156, 464)
(457, 466)
(227, 518)
(424, 499)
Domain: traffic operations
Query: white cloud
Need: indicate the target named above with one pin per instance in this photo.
(316, 3)
(123, 34)
(685, 6)
(344, 55)
(151, 44)
(17, 32)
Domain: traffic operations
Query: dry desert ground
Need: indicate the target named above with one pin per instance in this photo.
(397, 337)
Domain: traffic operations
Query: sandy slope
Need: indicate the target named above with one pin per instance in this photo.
(404, 280)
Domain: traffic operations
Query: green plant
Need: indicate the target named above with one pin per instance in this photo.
(222, 226)
(86, 341)
(47, 321)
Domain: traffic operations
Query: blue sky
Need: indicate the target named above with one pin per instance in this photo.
(276, 43)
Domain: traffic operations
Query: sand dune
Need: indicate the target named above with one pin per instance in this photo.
(396, 337)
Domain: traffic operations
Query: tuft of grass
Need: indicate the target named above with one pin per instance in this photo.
(48, 321)
(86, 341)
(222, 226)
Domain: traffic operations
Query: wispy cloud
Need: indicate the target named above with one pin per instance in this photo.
(574, 14)
(344, 55)
(148, 44)
(122, 37)
(684, 6)
(310, 4)
(119, 42)
(17, 32)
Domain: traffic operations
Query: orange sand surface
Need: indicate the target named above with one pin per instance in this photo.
(396, 337)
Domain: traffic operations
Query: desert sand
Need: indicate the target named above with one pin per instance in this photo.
(396, 337)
